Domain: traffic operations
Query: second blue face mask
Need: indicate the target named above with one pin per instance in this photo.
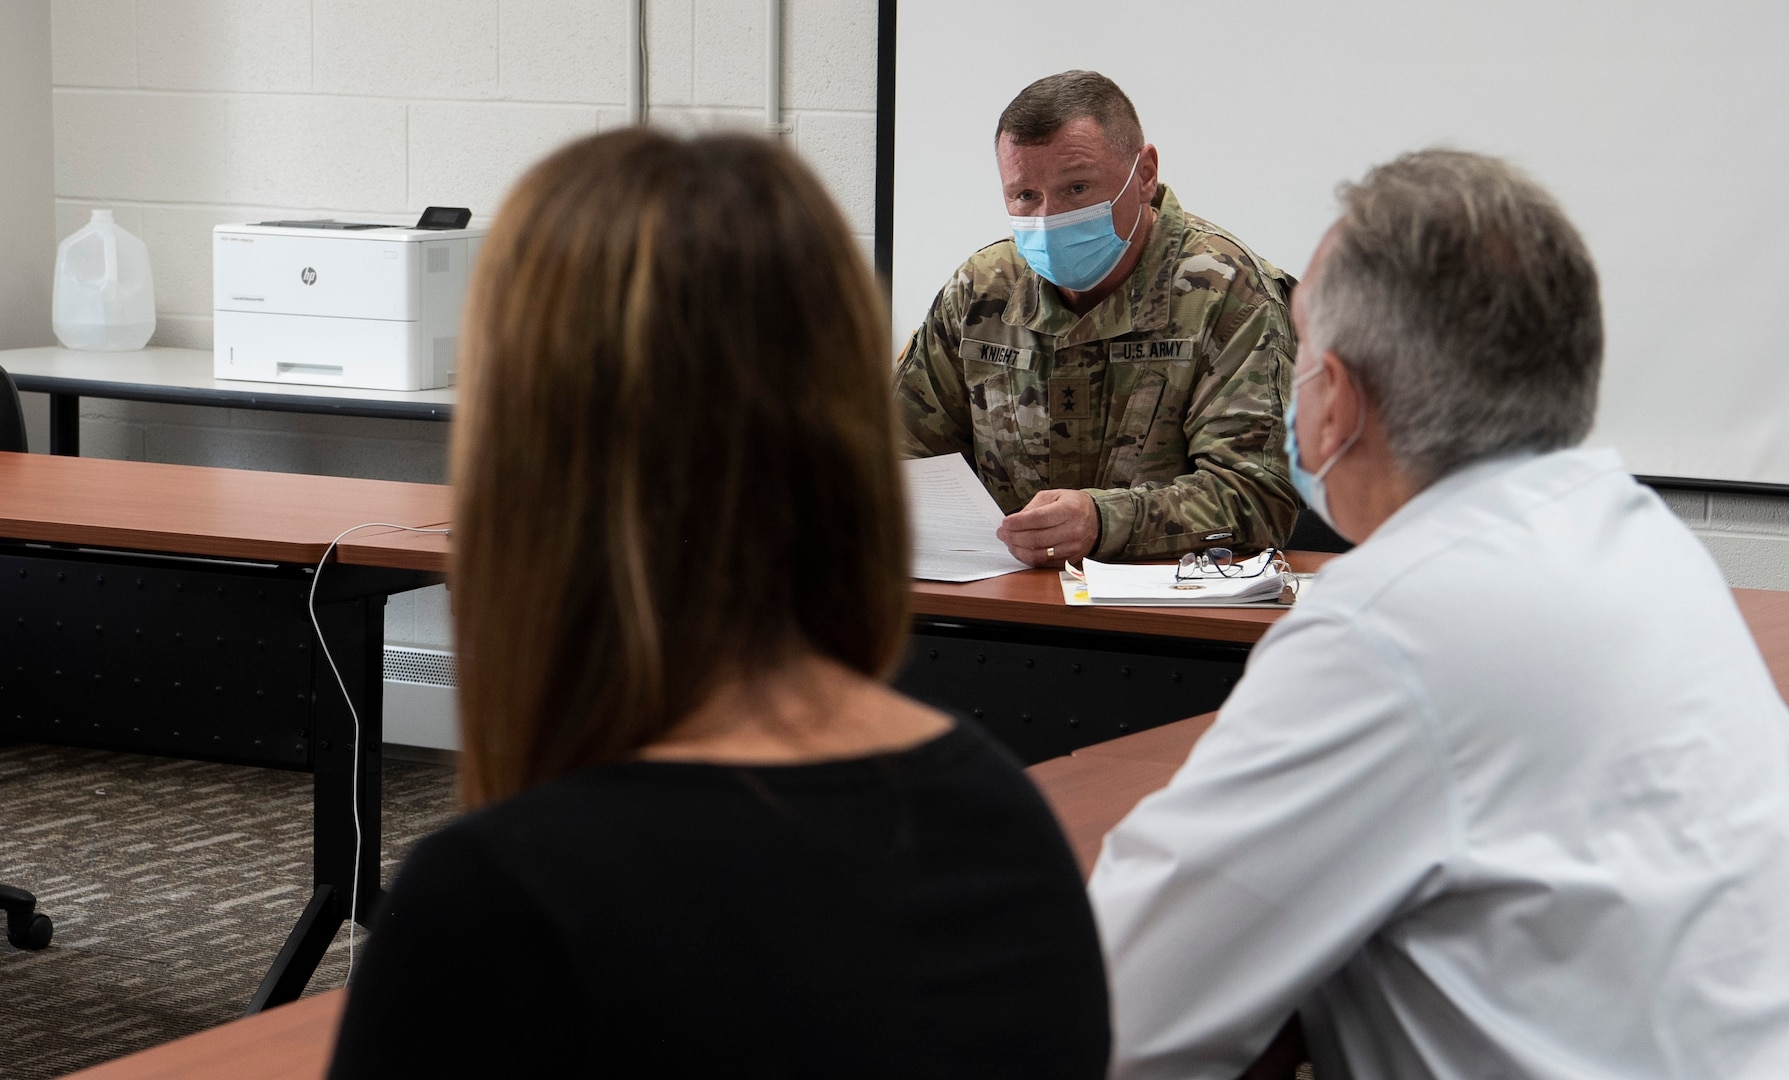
(1310, 485)
(1075, 250)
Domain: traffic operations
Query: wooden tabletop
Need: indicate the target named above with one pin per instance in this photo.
(1032, 597)
(292, 1042)
(193, 510)
(1035, 597)
(284, 517)
(396, 549)
(1092, 789)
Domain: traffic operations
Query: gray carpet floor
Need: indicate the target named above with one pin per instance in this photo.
(172, 885)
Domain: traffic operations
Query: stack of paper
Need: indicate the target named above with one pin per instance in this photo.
(1155, 585)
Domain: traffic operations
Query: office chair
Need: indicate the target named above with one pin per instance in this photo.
(12, 417)
(26, 927)
(1310, 533)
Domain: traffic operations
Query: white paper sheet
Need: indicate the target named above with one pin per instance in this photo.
(953, 520)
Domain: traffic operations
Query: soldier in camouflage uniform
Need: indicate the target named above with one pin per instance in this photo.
(1139, 418)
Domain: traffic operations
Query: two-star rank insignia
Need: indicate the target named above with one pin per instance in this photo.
(1071, 397)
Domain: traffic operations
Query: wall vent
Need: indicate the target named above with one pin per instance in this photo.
(420, 705)
(429, 667)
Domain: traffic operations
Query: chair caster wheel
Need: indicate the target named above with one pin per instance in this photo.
(35, 934)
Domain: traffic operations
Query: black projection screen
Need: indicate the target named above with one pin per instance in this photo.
(1660, 127)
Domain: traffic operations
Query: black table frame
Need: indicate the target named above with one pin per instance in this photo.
(65, 403)
(216, 660)
(1047, 691)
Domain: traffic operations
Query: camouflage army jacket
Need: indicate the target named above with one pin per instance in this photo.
(1164, 401)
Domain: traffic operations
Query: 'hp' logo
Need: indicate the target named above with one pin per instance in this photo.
(309, 277)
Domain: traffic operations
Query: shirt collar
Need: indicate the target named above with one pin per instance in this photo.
(1140, 304)
(1555, 469)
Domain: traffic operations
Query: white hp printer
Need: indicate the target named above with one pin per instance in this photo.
(340, 303)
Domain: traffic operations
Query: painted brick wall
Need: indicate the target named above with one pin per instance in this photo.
(184, 114)
(1748, 534)
(27, 242)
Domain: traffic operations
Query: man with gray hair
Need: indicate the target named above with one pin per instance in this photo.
(1114, 371)
(1507, 794)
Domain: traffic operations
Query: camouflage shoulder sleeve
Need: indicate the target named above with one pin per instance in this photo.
(1236, 479)
(931, 398)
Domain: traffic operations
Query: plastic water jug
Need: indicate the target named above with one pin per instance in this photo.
(104, 297)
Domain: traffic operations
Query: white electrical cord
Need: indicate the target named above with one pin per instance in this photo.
(354, 747)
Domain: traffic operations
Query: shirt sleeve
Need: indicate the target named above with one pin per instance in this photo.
(459, 977)
(1312, 813)
(931, 397)
(1237, 480)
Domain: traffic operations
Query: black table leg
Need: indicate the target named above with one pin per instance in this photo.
(355, 630)
(302, 952)
(65, 424)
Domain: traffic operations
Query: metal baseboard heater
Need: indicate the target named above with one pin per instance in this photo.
(420, 709)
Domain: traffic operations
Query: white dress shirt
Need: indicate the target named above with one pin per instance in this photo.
(1505, 795)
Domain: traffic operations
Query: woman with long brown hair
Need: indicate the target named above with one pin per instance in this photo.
(706, 837)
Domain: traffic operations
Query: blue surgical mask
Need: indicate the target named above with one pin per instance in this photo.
(1310, 486)
(1075, 250)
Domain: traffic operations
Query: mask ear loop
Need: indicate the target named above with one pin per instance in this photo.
(1360, 428)
(1138, 160)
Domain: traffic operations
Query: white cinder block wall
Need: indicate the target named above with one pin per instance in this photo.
(183, 114)
(1748, 534)
(27, 239)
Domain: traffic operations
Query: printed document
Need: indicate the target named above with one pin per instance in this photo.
(1156, 584)
(953, 519)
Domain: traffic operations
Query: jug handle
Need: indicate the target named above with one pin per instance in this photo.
(110, 281)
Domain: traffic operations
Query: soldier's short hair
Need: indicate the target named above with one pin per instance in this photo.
(1457, 292)
(674, 462)
(1042, 108)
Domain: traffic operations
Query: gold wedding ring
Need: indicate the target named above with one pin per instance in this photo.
(1049, 553)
